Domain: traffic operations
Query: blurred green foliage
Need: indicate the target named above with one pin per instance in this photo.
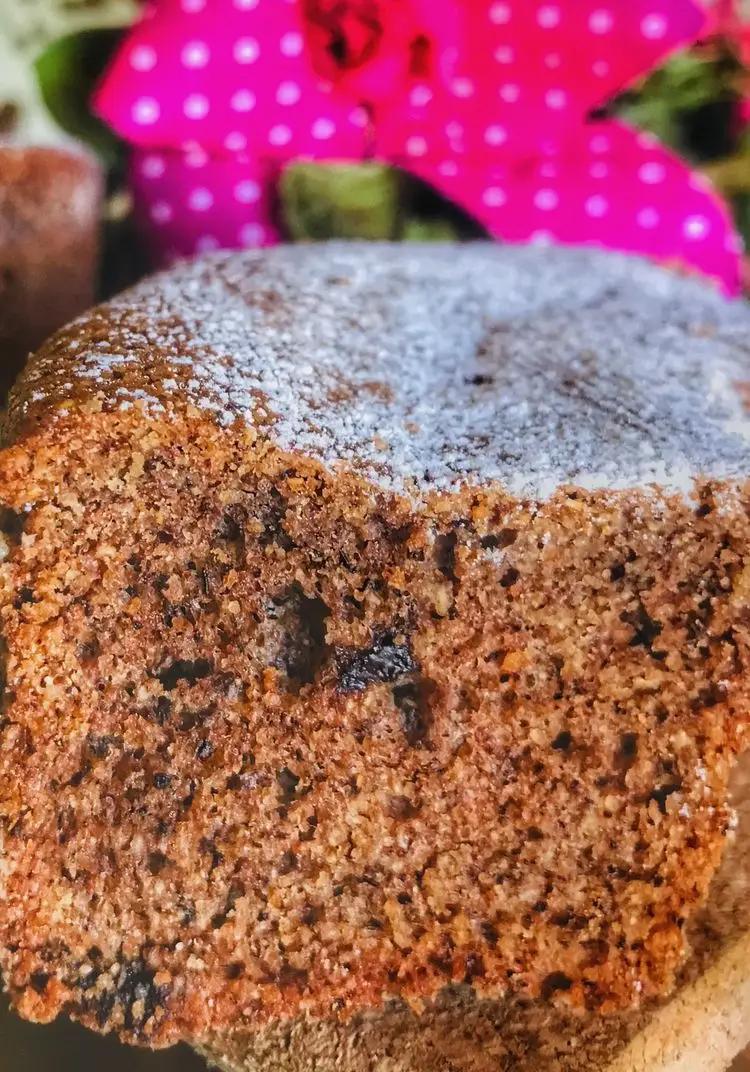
(67, 71)
(685, 85)
(694, 103)
(345, 200)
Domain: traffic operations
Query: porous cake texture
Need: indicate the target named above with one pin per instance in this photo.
(375, 620)
(699, 1028)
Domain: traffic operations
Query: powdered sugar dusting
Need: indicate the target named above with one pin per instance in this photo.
(428, 366)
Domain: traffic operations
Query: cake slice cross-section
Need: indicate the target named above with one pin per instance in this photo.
(375, 621)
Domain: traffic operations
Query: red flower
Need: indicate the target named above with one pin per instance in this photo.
(727, 21)
(724, 20)
(373, 49)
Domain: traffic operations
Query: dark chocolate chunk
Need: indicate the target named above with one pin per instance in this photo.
(288, 782)
(563, 741)
(138, 994)
(554, 983)
(190, 670)
(39, 981)
(662, 793)
(383, 662)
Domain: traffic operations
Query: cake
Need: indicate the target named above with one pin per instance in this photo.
(50, 207)
(375, 643)
(699, 1028)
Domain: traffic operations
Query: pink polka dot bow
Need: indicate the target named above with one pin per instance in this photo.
(489, 101)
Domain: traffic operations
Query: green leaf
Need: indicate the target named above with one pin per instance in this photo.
(687, 83)
(67, 71)
(655, 114)
(420, 229)
(336, 200)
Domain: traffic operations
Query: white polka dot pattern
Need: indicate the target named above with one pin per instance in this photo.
(601, 21)
(196, 106)
(200, 199)
(195, 54)
(549, 16)
(143, 58)
(249, 56)
(501, 123)
(227, 203)
(221, 74)
(245, 50)
(601, 190)
(235, 142)
(323, 129)
(247, 191)
(243, 100)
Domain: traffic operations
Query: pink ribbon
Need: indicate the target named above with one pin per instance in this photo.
(489, 101)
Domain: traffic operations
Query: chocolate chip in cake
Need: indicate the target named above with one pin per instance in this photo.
(384, 661)
(189, 670)
(204, 749)
(555, 983)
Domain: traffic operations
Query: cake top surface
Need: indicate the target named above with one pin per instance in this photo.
(425, 367)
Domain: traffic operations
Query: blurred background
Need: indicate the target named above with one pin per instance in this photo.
(69, 235)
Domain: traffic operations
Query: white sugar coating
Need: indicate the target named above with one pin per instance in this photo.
(425, 367)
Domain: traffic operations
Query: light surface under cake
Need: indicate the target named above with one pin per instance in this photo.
(375, 620)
